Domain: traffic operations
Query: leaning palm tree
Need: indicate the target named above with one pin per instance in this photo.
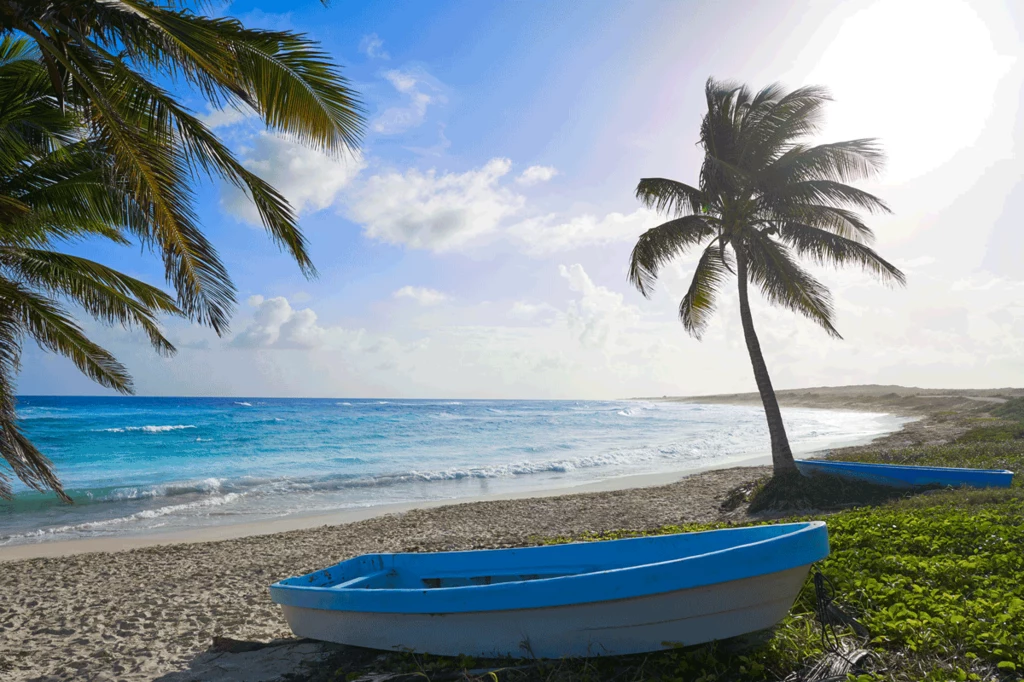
(765, 197)
(102, 58)
(56, 186)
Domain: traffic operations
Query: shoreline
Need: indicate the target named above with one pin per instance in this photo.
(151, 612)
(232, 531)
(63, 548)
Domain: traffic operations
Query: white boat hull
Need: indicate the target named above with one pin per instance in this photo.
(623, 626)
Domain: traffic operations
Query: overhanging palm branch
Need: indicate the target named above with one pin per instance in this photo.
(100, 57)
(765, 197)
(57, 184)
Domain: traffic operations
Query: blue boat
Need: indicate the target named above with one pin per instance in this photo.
(581, 599)
(900, 476)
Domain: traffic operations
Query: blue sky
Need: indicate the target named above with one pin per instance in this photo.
(477, 244)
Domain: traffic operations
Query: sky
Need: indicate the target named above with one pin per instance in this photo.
(477, 244)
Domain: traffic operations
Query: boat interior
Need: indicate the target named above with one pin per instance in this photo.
(489, 567)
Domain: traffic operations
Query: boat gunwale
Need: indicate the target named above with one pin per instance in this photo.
(809, 537)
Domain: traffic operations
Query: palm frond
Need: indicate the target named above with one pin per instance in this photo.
(293, 84)
(827, 248)
(158, 176)
(698, 305)
(204, 150)
(821, 192)
(54, 330)
(27, 463)
(661, 244)
(784, 283)
(839, 161)
(670, 196)
(840, 221)
(106, 294)
(774, 125)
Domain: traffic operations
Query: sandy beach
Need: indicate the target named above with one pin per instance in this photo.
(152, 612)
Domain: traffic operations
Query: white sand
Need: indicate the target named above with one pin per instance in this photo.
(146, 612)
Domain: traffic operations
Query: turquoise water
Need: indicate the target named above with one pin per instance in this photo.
(141, 465)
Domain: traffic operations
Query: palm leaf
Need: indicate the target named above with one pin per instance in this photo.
(831, 249)
(821, 192)
(698, 305)
(784, 283)
(103, 292)
(840, 162)
(282, 75)
(670, 196)
(661, 244)
(54, 330)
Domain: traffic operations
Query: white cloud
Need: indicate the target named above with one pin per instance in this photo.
(521, 310)
(431, 211)
(600, 314)
(310, 180)
(228, 116)
(421, 295)
(276, 324)
(536, 174)
(546, 235)
(410, 85)
(373, 47)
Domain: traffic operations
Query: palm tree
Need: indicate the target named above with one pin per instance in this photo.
(764, 198)
(56, 186)
(107, 151)
(102, 57)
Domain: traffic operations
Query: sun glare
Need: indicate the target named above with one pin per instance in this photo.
(921, 75)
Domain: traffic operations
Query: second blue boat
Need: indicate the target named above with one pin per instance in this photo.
(902, 476)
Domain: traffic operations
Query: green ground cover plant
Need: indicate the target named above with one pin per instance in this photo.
(1012, 409)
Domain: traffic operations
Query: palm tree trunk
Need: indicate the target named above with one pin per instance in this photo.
(782, 456)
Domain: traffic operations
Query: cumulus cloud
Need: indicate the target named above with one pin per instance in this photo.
(536, 174)
(373, 47)
(549, 234)
(309, 179)
(437, 212)
(600, 314)
(276, 324)
(228, 116)
(421, 295)
(411, 86)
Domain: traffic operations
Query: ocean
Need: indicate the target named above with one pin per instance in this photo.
(148, 465)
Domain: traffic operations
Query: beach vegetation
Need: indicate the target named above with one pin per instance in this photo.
(765, 198)
(99, 145)
(1012, 409)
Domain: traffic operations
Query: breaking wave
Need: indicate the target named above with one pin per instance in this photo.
(148, 429)
(111, 524)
